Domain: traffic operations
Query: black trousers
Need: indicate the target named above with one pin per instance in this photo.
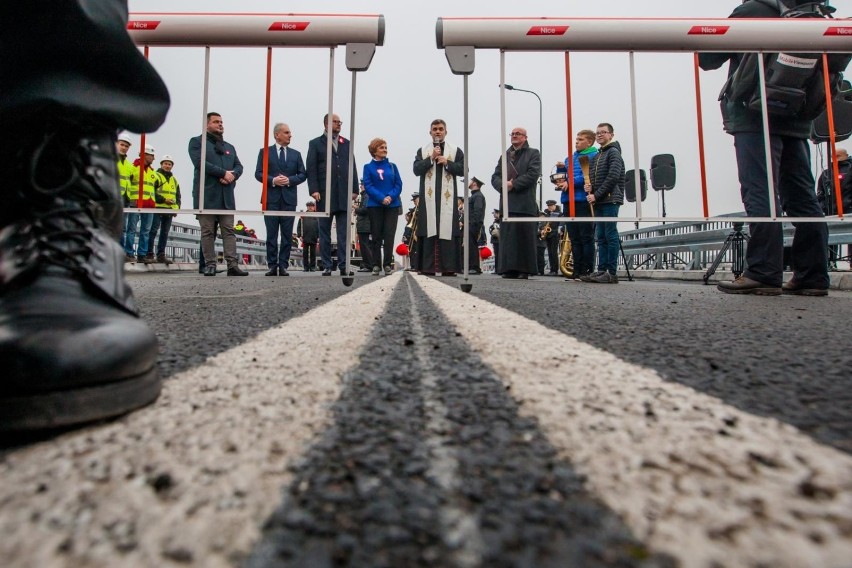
(309, 256)
(383, 222)
(794, 195)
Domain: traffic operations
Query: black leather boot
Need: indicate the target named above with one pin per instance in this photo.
(72, 346)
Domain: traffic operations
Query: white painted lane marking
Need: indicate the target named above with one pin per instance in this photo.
(215, 446)
(761, 494)
(459, 528)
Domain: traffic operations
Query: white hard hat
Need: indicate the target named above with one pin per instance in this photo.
(125, 136)
(167, 158)
(149, 149)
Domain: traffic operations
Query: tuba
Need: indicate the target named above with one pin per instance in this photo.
(566, 258)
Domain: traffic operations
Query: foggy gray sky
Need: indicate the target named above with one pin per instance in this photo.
(409, 84)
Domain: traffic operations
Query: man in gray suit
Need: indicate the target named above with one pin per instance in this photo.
(285, 172)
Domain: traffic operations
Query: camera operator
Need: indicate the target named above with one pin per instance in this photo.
(788, 140)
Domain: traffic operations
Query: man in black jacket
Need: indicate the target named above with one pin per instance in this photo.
(517, 253)
(476, 220)
(605, 195)
(794, 183)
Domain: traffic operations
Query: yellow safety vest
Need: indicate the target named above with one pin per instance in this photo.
(148, 182)
(168, 189)
(125, 171)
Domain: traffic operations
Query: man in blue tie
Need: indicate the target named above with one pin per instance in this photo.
(285, 172)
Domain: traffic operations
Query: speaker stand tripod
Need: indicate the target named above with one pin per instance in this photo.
(735, 241)
(624, 259)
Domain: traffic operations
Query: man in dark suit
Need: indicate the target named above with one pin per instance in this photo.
(338, 202)
(285, 172)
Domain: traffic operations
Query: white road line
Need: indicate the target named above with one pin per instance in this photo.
(460, 529)
(215, 445)
(690, 475)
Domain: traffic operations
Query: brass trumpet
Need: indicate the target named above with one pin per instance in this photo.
(566, 256)
(544, 231)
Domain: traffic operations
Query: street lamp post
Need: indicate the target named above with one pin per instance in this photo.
(540, 133)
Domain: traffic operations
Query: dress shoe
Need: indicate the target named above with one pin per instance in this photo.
(72, 346)
(163, 259)
(326, 272)
(149, 258)
(797, 288)
(129, 258)
(745, 285)
(449, 274)
(523, 276)
(474, 271)
(210, 270)
(343, 272)
(237, 271)
(272, 271)
(283, 272)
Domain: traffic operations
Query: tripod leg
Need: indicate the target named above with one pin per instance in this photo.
(718, 260)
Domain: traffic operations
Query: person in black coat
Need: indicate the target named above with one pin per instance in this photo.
(285, 171)
(308, 231)
(344, 188)
(362, 227)
(476, 219)
(517, 252)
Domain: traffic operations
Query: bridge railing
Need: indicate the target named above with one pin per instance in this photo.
(184, 242)
(694, 245)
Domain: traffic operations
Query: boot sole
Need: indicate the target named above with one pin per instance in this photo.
(66, 408)
(806, 292)
(753, 291)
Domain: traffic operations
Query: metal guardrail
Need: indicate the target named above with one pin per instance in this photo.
(693, 246)
(184, 243)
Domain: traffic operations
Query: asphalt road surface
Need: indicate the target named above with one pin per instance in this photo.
(402, 422)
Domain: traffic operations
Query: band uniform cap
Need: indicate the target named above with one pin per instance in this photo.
(167, 158)
(496, 211)
(309, 203)
(551, 202)
(124, 137)
(477, 181)
(415, 195)
(149, 149)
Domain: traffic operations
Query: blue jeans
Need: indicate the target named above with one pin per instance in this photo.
(275, 255)
(161, 222)
(794, 194)
(325, 239)
(606, 235)
(131, 220)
